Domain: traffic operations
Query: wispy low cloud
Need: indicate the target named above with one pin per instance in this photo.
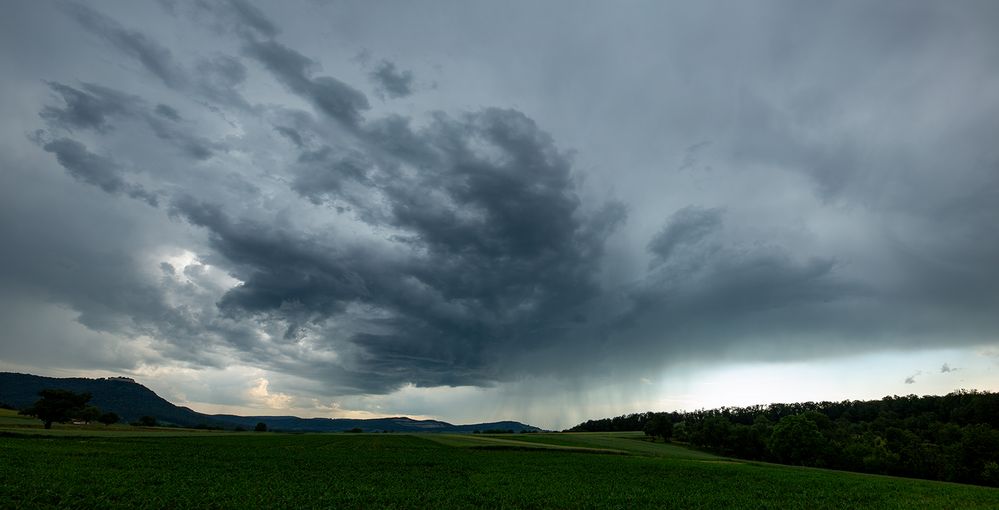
(946, 368)
(391, 81)
(331, 96)
(912, 378)
(154, 57)
(94, 169)
(94, 107)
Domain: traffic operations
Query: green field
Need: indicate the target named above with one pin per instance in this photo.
(89, 467)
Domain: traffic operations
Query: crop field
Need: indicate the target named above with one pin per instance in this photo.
(93, 468)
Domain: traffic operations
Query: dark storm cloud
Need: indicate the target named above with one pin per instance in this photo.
(391, 81)
(156, 58)
(233, 16)
(242, 14)
(497, 249)
(94, 106)
(504, 246)
(461, 248)
(218, 80)
(94, 169)
(87, 110)
(222, 72)
(278, 267)
(168, 112)
(687, 226)
(192, 145)
(291, 134)
(705, 289)
(332, 96)
(322, 174)
(494, 185)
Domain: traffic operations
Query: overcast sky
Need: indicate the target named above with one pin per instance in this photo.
(541, 211)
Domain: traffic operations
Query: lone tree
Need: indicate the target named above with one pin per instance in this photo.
(109, 418)
(59, 406)
(261, 427)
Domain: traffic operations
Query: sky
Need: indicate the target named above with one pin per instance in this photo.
(473, 211)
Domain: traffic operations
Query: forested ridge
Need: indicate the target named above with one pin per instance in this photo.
(953, 437)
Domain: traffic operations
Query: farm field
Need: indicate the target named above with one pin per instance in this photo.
(84, 468)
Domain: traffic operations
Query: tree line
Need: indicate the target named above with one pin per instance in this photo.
(954, 437)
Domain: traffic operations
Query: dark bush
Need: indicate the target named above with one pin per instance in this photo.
(109, 418)
(146, 421)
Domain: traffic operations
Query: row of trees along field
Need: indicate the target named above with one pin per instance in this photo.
(954, 437)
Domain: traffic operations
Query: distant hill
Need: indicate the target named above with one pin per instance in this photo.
(123, 396)
(397, 424)
(131, 400)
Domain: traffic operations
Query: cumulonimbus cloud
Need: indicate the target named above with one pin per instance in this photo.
(369, 250)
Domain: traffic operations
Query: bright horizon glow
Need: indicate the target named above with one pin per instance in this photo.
(876, 375)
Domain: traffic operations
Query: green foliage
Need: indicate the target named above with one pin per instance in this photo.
(200, 426)
(89, 414)
(61, 406)
(261, 427)
(149, 421)
(659, 425)
(796, 440)
(952, 437)
(109, 418)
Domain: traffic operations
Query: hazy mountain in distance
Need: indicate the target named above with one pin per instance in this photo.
(131, 400)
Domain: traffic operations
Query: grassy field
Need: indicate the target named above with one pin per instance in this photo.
(93, 468)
